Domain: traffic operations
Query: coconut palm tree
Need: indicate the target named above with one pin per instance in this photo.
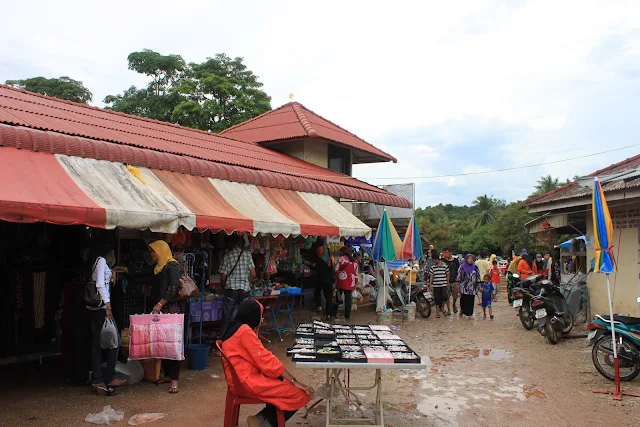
(486, 209)
(546, 184)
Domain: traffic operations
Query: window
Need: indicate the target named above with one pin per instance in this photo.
(339, 159)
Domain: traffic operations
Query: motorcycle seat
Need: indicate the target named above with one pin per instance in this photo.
(626, 320)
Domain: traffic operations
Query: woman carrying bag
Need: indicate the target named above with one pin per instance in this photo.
(103, 382)
(165, 290)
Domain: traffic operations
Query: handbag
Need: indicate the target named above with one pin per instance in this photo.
(187, 287)
(91, 295)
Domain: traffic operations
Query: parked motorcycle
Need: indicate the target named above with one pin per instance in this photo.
(552, 312)
(523, 297)
(627, 346)
(420, 295)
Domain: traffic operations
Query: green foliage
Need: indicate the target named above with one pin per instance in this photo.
(457, 227)
(62, 88)
(212, 96)
(546, 184)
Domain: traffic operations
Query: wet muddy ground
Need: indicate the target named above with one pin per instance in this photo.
(479, 373)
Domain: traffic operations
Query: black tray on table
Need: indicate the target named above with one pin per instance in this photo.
(415, 359)
(300, 350)
(299, 359)
(320, 342)
(347, 359)
(334, 354)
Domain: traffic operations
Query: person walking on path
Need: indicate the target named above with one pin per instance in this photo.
(469, 278)
(494, 273)
(439, 278)
(454, 264)
(488, 292)
(236, 272)
(483, 267)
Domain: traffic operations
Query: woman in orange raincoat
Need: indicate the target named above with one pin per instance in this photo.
(261, 373)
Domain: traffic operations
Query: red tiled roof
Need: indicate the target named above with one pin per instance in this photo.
(294, 120)
(81, 130)
(574, 190)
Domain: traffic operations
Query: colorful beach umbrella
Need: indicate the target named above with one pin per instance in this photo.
(605, 263)
(602, 231)
(412, 244)
(387, 244)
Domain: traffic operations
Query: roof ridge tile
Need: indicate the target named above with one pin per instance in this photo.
(306, 124)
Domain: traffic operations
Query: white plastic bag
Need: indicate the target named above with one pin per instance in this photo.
(109, 335)
(132, 369)
(108, 414)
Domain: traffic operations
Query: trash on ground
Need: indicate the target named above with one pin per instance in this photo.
(138, 419)
(108, 414)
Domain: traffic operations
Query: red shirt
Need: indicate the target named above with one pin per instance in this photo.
(346, 274)
(495, 274)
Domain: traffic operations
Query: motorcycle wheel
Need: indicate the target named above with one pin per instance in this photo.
(526, 319)
(569, 326)
(602, 357)
(550, 333)
(423, 306)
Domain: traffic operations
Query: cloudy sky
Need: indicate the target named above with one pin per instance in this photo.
(447, 87)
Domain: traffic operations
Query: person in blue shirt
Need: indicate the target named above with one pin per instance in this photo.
(488, 291)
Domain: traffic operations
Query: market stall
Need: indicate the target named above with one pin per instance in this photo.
(340, 348)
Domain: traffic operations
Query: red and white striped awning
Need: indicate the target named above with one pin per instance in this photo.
(60, 189)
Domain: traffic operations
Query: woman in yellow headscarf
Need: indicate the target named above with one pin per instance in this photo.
(165, 290)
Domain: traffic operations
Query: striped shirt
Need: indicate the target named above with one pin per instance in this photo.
(439, 274)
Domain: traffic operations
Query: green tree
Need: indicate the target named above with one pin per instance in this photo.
(158, 100)
(62, 88)
(546, 184)
(509, 228)
(219, 93)
(486, 208)
(212, 96)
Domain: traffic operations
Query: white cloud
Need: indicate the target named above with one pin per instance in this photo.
(443, 86)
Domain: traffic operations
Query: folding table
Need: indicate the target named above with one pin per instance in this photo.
(336, 385)
(285, 304)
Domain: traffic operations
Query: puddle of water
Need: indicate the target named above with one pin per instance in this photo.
(494, 354)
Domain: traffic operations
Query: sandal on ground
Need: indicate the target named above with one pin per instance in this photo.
(491, 317)
(484, 317)
(448, 313)
(438, 316)
(165, 380)
(117, 383)
(103, 390)
(174, 390)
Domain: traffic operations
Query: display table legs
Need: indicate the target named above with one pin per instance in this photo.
(335, 384)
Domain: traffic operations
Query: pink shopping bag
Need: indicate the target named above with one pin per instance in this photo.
(156, 336)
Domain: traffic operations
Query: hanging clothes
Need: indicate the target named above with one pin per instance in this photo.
(39, 292)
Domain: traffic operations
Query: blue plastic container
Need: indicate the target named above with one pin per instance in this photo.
(197, 356)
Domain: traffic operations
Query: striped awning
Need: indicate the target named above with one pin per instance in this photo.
(61, 189)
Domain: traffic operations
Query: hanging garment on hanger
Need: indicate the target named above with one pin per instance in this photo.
(39, 291)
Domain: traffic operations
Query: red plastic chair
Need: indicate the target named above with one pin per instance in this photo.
(232, 407)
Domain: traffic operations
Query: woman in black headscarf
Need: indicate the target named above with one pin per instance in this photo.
(261, 374)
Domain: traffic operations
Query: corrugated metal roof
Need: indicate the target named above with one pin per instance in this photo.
(627, 179)
(294, 120)
(84, 131)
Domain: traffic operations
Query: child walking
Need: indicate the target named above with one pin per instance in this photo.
(488, 290)
(494, 272)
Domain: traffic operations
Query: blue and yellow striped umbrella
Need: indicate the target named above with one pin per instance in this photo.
(602, 231)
